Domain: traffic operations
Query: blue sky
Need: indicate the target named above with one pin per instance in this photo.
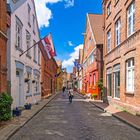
(66, 20)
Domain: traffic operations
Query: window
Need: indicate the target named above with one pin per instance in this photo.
(38, 56)
(131, 19)
(18, 33)
(109, 9)
(90, 80)
(29, 15)
(89, 41)
(36, 86)
(130, 75)
(33, 23)
(28, 42)
(94, 80)
(35, 47)
(109, 41)
(118, 32)
(117, 81)
(28, 91)
(109, 81)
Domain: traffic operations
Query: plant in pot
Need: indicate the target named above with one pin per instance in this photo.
(28, 106)
(94, 96)
(16, 112)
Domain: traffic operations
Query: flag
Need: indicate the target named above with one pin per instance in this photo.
(47, 48)
(50, 45)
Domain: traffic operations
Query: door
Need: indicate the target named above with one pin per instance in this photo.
(18, 87)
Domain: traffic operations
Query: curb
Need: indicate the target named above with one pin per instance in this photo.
(16, 128)
(118, 117)
(127, 122)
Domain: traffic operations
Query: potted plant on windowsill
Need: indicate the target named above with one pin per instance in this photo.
(28, 106)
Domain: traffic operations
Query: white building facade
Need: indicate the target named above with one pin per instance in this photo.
(24, 71)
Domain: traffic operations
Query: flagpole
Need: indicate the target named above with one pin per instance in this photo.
(32, 46)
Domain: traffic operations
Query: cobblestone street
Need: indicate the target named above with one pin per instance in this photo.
(60, 120)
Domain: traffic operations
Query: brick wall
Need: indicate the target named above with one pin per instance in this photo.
(128, 48)
(3, 41)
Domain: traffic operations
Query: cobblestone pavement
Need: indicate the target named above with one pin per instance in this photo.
(80, 120)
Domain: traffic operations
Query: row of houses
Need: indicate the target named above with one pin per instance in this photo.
(27, 77)
(112, 52)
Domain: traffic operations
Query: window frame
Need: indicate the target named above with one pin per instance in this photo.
(118, 32)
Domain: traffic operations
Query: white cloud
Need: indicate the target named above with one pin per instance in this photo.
(44, 14)
(70, 43)
(74, 55)
(69, 3)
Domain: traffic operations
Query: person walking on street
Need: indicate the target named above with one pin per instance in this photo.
(70, 95)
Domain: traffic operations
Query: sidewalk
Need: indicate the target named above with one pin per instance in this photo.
(126, 117)
(16, 123)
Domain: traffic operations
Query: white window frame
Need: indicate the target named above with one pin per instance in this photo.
(130, 75)
(18, 33)
(109, 9)
(131, 19)
(108, 41)
(118, 32)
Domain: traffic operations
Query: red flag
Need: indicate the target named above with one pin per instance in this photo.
(50, 45)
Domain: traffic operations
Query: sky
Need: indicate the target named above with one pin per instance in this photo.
(66, 20)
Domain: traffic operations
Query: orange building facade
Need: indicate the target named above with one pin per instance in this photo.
(92, 54)
(3, 48)
(49, 80)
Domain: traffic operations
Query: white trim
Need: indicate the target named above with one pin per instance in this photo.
(89, 55)
(91, 30)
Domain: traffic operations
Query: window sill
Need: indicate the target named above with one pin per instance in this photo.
(37, 93)
(129, 92)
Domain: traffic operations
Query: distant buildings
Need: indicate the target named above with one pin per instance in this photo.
(49, 79)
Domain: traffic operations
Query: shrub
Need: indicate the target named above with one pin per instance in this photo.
(5, 106)
(101, 87)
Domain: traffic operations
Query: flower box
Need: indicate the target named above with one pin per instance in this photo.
(27, 106)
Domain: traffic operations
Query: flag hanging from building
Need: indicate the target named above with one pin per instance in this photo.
(47, 48)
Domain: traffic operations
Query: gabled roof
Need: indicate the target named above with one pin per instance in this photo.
(96, 23)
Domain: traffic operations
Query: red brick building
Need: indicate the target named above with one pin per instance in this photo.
(122, 53)
(49, 80)
(92, 54)
(3, 41)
